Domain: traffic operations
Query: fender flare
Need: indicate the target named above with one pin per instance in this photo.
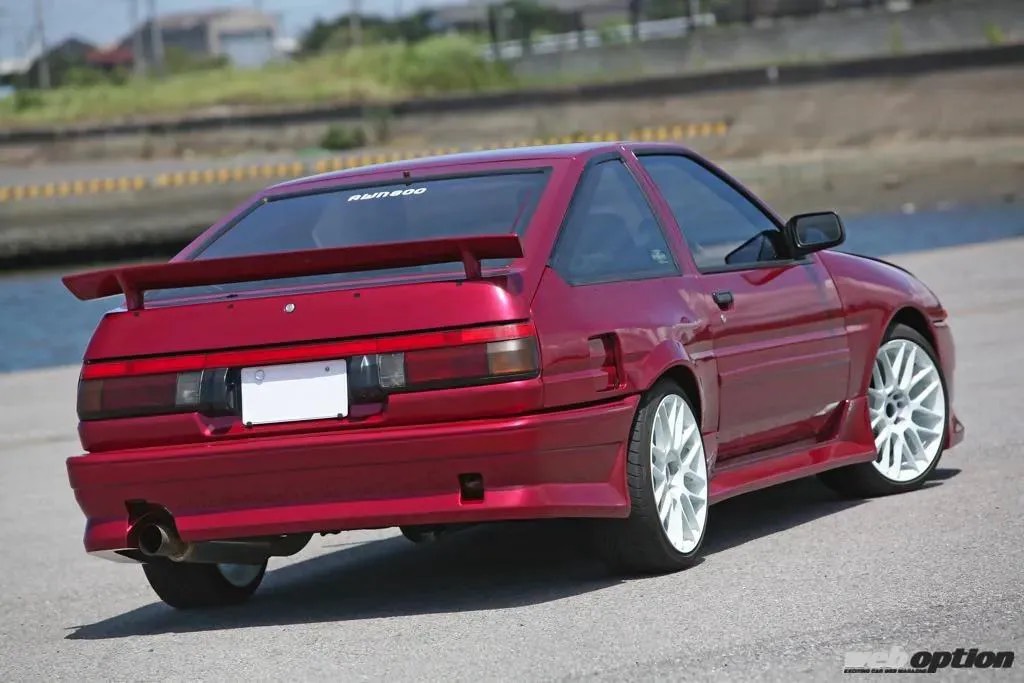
(670, 355)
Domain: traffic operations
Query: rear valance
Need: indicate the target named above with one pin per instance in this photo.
(134, 281)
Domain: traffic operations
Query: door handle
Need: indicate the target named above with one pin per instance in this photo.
(723, 299)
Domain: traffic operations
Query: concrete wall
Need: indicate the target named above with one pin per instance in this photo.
(943, 25)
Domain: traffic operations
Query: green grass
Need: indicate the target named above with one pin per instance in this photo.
(377, 73)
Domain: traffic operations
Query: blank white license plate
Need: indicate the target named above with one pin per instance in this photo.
(294, 392)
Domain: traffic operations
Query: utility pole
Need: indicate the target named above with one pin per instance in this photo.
(355, 27)
(44, 59)
(694, 11)
(156, 39)
(138, 58)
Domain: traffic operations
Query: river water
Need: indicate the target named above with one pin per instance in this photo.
(42, 325)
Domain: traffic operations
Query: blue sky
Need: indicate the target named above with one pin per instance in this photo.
(103, 21)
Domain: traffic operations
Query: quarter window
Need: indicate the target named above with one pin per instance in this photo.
(722, 227)
(611, 232)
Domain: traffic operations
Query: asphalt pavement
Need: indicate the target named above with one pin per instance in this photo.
(793, 578)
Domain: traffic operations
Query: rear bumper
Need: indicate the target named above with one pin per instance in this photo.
(561, 464)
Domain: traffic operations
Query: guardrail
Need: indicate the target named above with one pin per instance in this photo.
(240, 173)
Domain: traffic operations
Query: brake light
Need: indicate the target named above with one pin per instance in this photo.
(306, 352)
(433, 366)
(446, 367)
(138, 396)
(433, 360)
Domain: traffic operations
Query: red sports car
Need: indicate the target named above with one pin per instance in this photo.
(619, 332)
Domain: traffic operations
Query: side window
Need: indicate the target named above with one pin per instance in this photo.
(722, 227)
(611, 232)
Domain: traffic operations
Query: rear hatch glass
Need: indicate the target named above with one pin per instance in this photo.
(501, 202)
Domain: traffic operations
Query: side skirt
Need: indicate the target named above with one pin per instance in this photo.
(852, 443)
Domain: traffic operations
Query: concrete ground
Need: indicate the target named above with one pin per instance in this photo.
(793, 578)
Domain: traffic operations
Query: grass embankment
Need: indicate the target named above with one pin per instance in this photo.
(377, 73)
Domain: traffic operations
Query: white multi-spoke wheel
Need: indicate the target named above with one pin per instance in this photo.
(907, 407)
(679, 475)
(185, 585)
(667, 476)
(907, 404)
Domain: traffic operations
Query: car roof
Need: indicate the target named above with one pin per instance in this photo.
(512, 154)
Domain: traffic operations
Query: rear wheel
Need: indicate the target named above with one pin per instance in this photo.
(907, 406)
(184, 585)
(667, 478)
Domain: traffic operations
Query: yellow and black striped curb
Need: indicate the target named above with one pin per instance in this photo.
(294, 169)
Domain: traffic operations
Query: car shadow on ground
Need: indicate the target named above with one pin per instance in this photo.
(486, 567)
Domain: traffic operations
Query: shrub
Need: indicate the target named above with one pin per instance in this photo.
(379, 119)
(339, 137)
(84, 76)
(994, 34)
(440, 64)
(25, 99)
(896, 38)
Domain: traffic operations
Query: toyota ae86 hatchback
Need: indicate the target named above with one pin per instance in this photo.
(618, 332)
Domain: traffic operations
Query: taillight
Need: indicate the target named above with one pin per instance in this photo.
(433, 360)
(452, 366)
(141, 395)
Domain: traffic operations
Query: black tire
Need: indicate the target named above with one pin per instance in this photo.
(863, 480)
(638, 544)
(184, 585)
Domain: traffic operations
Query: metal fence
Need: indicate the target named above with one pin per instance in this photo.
(714, 12)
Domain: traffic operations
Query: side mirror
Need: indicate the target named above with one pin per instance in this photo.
(810, 232)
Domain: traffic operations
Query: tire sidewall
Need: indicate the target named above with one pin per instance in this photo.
(648, 507)
(193, 585)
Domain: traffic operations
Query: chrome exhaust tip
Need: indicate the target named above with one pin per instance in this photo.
(160, 540)
(156, 540)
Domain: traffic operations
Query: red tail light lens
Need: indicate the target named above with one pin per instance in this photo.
(442, 366)
(137, 396)
(431, 360)
(452, 366)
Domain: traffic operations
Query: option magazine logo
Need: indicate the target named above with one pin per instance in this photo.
(898, 659)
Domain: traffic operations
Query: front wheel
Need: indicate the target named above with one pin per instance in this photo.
(185, 585)
(908, 408)
(667, 476)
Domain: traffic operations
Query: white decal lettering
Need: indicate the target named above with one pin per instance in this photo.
(385, 193)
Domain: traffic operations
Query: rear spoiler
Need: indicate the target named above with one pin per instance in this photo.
(134, 281)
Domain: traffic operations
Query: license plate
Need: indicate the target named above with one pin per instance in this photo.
(294, 392)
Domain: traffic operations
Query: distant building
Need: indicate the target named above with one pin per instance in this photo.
(68, 53)
(246, 37)
(111, 58)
